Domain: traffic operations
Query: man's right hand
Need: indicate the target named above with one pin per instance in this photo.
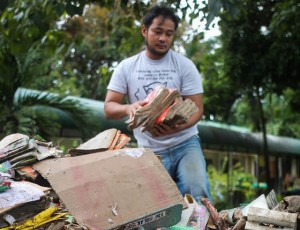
(114, 107)
(132, 108)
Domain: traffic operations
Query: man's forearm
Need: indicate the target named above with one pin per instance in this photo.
(114, 110)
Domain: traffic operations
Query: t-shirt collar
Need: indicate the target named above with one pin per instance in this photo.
(152, 61)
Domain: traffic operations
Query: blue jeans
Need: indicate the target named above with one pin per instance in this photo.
(187, 167)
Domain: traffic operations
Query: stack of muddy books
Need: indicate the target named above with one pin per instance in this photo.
(18, 150)
(162, 106)
(110, 139)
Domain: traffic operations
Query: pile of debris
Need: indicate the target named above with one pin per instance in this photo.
(103, 184)
(263, 213)
(27, 200)
(24, 204)
(162, 106)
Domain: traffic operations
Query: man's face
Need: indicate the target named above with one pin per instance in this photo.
(159, 37)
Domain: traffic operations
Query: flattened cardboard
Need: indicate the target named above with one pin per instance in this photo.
(112, 190)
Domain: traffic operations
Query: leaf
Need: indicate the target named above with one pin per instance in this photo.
(19, 16)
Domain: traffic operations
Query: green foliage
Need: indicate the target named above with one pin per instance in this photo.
(101, 36)
(218, 187)
(260, 56)
(250, 43)
(49, 46)
(285, 120)
(243, 111)
(218, 88)
(213, 9)
(29, 42)
(225, 185)
(37, 113)
(284, 28)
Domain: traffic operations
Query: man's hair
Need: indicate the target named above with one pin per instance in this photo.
(163, 11)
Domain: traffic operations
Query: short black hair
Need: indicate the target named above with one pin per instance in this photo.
(163, 11)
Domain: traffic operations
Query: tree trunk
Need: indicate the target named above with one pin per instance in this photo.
(265, 140)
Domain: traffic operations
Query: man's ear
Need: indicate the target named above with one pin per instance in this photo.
(144, 31)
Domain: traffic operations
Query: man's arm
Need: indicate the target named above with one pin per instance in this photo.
(162, 129)
(114, 107)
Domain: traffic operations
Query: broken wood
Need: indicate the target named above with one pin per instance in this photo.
(266, 216)
(214, 214)
(256, 226)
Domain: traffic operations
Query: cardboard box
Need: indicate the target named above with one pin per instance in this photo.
(120, 189)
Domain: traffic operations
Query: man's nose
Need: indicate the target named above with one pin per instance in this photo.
(162, 38)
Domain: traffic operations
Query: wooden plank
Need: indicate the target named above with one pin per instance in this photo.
(283, 219)
(256, 226)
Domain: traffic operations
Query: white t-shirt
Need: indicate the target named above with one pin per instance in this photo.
(138, 75)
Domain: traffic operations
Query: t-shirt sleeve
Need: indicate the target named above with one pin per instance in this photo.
(191, 79)
(118, 79)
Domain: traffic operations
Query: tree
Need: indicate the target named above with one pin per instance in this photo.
(102, 36)
(29, 42)
(260, 47)
(219, 93)
(251, 47)
(282, 119)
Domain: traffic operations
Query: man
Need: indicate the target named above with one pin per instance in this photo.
(134, 78)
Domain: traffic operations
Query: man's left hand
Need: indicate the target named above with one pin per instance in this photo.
(162, 129)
